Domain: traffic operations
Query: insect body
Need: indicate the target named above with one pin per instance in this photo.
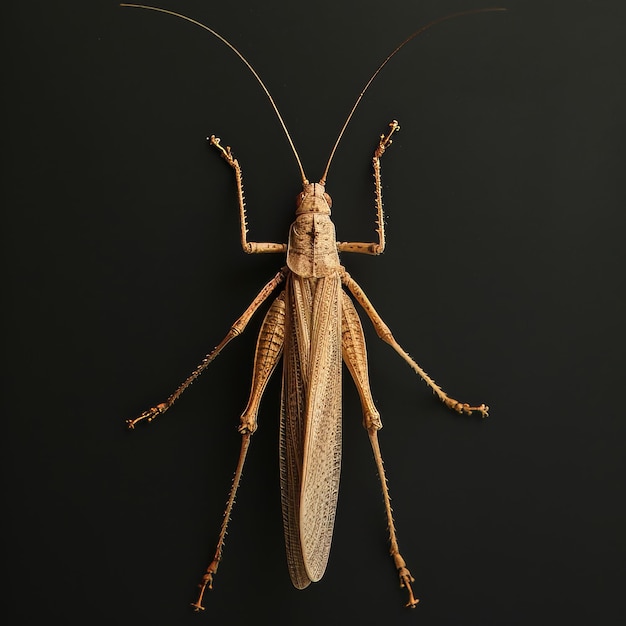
(313, 326)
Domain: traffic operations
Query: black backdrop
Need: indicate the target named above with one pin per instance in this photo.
(503, 276)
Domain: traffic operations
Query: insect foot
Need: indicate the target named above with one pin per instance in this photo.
(461, 407)
(207, 581)
(405, 582)
(226, 153)
(149, 415)
(386, 141)
(405, 579)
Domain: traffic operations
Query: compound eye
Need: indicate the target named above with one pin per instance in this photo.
(300, 197)
(328, 199)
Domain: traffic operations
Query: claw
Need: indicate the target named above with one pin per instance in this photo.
(394, 127)
(197, 606)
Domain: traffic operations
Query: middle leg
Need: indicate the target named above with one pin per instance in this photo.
(383, 331)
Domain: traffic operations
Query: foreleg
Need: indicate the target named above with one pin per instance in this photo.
(379, 246)
(248, 246)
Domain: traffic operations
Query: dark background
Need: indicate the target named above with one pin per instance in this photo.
(503, 276)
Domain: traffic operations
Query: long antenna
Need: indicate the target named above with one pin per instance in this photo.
(245, 61)
(380, 67)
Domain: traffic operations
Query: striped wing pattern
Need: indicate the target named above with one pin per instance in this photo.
(310, 432)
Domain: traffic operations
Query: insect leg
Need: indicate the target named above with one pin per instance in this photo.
(355, 357)
(374, 248)
(405, 576)
(269, 349)
(236, 329)
(207, 579)
(248, 246)
(268, 352)
(385, 334)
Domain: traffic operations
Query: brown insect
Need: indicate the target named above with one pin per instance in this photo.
(313, 326)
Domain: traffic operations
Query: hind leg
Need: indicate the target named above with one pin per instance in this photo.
(355, 357)
(268, 352)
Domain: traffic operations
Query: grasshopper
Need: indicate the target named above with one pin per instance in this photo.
(313, 326)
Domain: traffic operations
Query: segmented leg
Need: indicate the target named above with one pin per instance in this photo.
(405, 576)
(268, 352)
(269, 349)
(236, 329)
(375, 247)
(250, 247)
(385, 334)
(355, 357)
(207, 579)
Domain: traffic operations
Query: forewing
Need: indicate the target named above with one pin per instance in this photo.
(292, 420)
(311, 424)
(322, 444)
